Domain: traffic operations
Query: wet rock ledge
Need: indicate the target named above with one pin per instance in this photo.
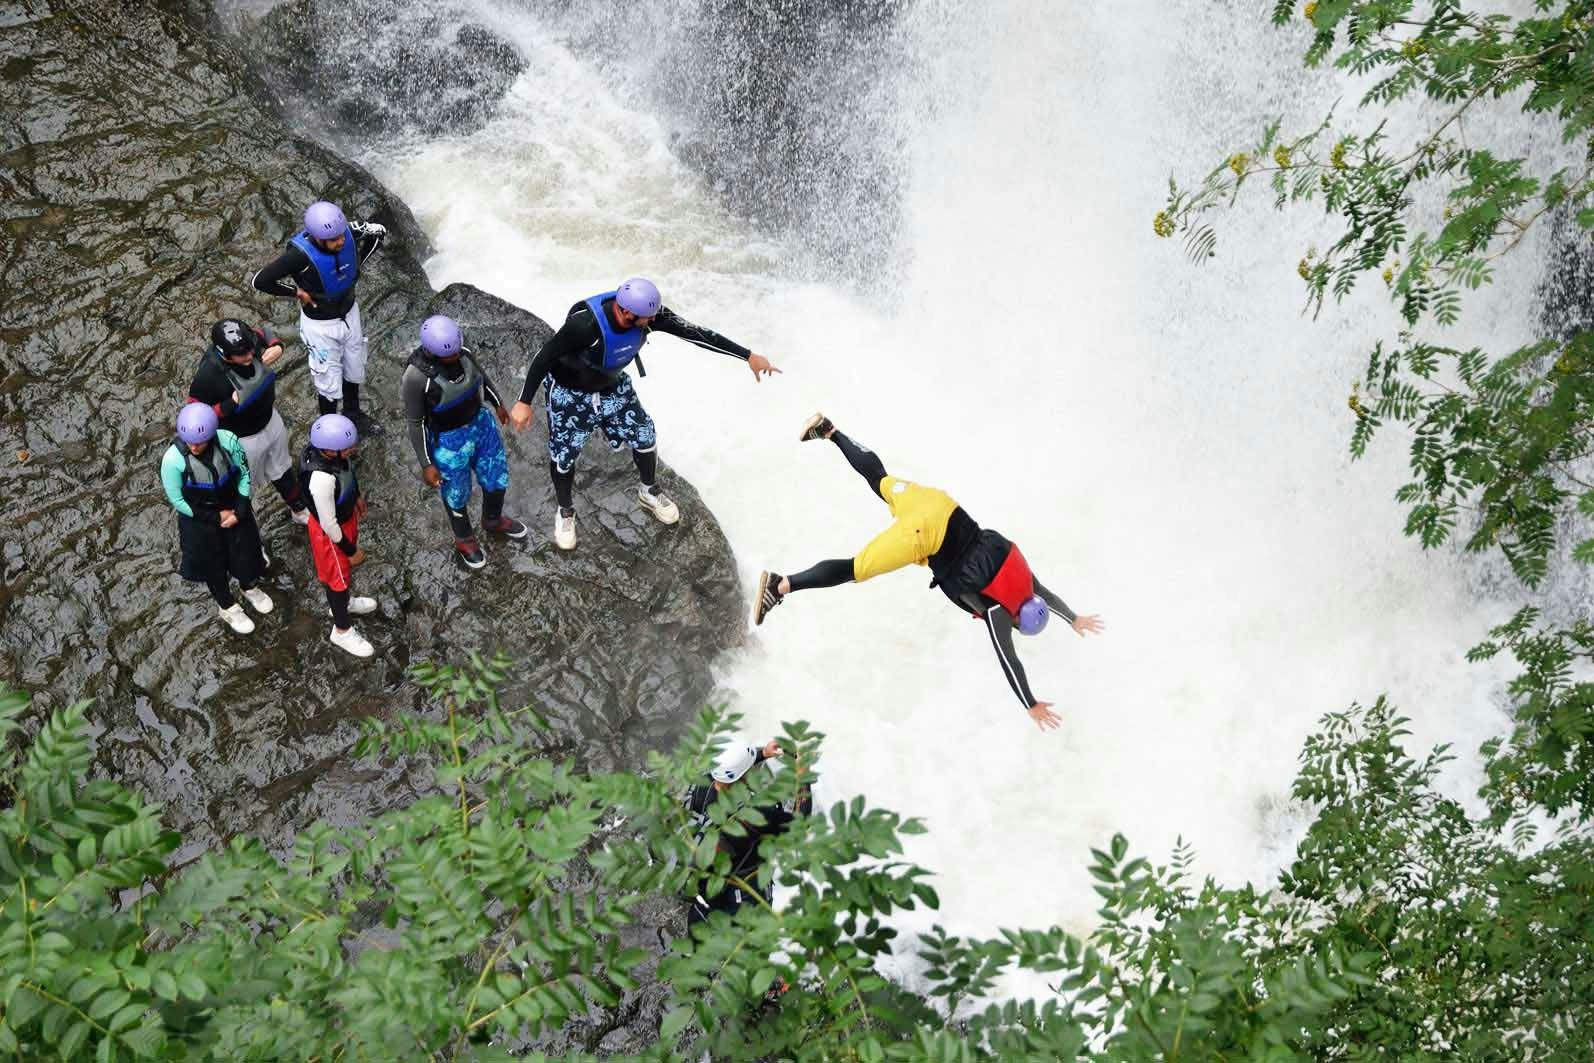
(143, 174)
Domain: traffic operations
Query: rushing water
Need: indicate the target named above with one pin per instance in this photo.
(1167, 441)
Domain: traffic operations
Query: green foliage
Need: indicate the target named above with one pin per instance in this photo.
(1500, 444)
(493, 911)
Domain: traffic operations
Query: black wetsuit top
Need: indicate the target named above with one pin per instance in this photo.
(214, 388)
(564, 356)
(293, 270)
(743, 851)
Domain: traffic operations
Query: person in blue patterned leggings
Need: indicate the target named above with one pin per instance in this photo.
(454, 436)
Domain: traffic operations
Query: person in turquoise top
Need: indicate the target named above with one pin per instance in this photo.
(205, 473)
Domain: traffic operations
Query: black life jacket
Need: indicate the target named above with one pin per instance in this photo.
(454, 403)
(347, 491)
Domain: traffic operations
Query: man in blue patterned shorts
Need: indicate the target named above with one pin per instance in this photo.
(590, 390)
(454, 435)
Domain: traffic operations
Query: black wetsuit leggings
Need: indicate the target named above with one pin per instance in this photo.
(564, 480)
(837, 571)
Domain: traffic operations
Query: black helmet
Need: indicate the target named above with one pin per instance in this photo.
(232, 337)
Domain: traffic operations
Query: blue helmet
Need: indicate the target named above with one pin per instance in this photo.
(639, 296)
(440, 336)
(333, 431)
(1033, 615)
(324, 220)
(196, 423)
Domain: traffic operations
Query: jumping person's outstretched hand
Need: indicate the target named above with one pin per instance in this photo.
(520, 416)
(760, 366)
(1047, 720)
(1092, 624)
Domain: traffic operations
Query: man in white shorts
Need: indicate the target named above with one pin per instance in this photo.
(236, 378)
(320, 268)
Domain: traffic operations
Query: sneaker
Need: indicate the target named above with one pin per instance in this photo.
(360, 606)
(658, 504)
(300, 517)
(471, 553)
(769, 596)
(818, 427)
(564, 530)
(258, 600)
(507, 526)
(352, 642)
(235, 617)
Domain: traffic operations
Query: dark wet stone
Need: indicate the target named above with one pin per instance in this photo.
(145, 175)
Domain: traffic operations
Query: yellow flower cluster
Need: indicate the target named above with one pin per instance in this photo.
(1336, 158)
(1281, 155)
(1163, 225)
(1355, 404)
(1238, 162)
(1310, 9)
(1413, 48)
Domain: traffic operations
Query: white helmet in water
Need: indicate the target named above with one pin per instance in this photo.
(734, 761)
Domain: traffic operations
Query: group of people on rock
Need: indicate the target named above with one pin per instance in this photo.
(230, 437)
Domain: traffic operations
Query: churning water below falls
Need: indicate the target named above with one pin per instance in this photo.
(1166, 440)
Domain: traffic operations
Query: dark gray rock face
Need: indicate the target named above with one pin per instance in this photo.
(367, 68)
(141, 180)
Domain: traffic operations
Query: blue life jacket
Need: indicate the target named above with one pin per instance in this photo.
(616, 349)
(336, 271)
(209, 479)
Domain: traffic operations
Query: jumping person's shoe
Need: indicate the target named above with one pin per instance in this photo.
(657, 503)
(818, 427)
(507, 526)
(235, 617)
(564, 530)
(769, 596)
(471, 553)
(351, 641)
(258, 600)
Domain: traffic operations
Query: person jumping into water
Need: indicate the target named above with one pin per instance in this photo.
(976, 568)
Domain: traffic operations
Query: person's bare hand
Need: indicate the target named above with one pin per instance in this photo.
(760, 366)
(271, 354)
(228, 518)
(772, 749)
(1092, 624)
(1047, 720)
(432, 476)
(304, 297)
(520, 416)
(502, 414)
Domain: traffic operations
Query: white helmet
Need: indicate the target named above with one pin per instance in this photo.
(733, 762)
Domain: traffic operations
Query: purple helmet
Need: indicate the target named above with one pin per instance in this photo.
(440, 336)
(196, 423)
(333, 431)
(639, 296)
(324, 220)
(1033, 615)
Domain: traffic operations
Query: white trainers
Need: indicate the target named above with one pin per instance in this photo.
(351, 641)
(658, 504)
(564, 530)
(258, 600)
(299, 516)
(361, 606)
(235, 617)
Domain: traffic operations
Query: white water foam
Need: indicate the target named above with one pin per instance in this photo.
(1167, 441)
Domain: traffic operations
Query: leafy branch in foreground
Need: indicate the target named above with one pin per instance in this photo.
(1501, 445)
(479, 921)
